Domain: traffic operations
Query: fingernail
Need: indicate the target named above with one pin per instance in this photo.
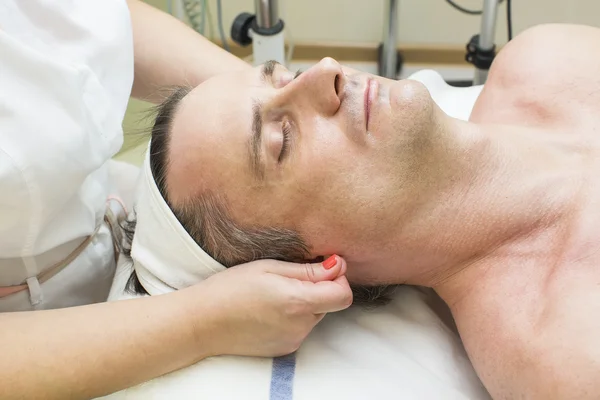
(330, 262)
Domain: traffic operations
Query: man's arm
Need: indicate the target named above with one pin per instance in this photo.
(167, 53)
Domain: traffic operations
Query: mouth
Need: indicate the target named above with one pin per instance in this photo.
(371, 89)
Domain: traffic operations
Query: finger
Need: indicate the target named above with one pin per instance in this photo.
(328, 296)
(328, 270)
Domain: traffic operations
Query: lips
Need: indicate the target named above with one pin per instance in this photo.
(370, 96)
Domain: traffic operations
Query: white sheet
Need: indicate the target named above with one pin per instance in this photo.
(403, 350)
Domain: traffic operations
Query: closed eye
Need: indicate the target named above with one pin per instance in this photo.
(286, 131)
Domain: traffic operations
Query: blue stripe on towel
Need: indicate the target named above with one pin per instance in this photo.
(282, 377)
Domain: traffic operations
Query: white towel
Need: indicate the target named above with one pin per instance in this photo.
(166, 257)
(401, 351)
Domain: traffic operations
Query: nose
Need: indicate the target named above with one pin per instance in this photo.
(322, 85)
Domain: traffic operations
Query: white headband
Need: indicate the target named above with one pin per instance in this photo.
(165, 256)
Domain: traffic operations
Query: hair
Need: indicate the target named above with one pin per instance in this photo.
(207, 220)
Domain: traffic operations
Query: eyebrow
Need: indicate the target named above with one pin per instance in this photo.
(267, 69)
(256, 140)
(266, 72)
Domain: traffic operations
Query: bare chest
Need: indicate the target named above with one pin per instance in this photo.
(532, 327)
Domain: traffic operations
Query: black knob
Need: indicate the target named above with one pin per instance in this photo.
(240, 29)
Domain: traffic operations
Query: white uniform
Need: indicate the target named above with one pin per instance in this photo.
(66, 71)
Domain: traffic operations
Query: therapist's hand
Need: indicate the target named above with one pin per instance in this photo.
(267, 307)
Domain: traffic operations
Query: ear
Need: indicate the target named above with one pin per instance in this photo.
(317, 259)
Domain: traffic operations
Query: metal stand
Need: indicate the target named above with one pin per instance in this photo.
(264, 30)
(481, 50)
(390, 59)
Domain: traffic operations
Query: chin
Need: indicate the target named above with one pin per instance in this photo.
(405, 108)
(409, 95)
(411, 110)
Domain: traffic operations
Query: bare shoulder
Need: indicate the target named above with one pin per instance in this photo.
(525, 342)
(549, 50)
(542, 70)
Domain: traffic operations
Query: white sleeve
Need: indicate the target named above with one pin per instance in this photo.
(57, 128)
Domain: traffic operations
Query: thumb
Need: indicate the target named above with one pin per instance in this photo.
(328, 270)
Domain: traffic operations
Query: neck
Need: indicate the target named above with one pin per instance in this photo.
(497, 185)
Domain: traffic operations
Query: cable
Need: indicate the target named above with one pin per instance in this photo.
(509, 19)
(211, 31)
(220, 22)
(196, 13)
(509, 26)
(289, 39)
(466, 10)
(203, 23)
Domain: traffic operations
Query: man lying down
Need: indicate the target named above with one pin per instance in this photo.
(499, 215)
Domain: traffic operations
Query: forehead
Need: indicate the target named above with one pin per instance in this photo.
(209, 131)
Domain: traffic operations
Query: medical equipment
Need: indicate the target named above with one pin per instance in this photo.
(481, 49)
(480, 12)
(197, 13)
(265, 30)
(390, 59)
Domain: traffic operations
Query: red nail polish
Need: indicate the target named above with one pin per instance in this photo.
(330, 262)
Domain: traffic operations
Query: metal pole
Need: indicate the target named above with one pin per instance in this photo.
(267, 13)
(487, 35)
(389, 50)
(267, 33)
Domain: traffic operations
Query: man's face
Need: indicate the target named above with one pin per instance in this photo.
(335, 156)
